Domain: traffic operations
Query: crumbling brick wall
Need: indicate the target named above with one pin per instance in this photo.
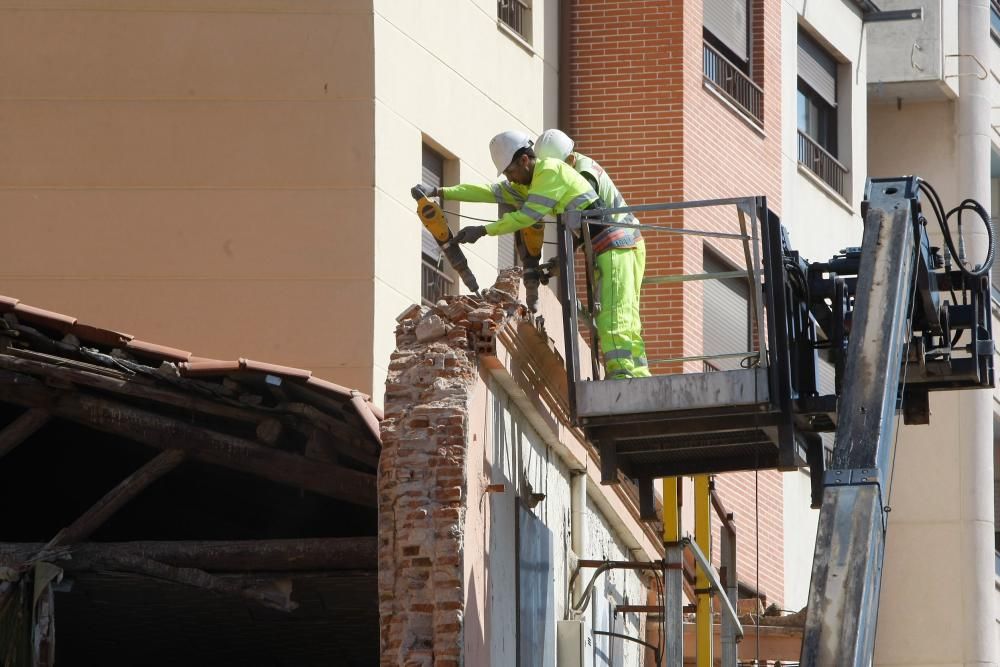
(422, 478)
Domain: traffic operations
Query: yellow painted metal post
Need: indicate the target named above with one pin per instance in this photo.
(673, 576)
(671, 511)
(703, 537)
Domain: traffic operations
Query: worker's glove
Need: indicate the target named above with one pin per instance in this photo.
(420, 190)
(470, 234)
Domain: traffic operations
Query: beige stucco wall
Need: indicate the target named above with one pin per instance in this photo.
(195, 172)
(820, 223)
(929, 542)
(452, 80)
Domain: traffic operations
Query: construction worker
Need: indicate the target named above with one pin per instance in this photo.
(621, 262)
(539, 187)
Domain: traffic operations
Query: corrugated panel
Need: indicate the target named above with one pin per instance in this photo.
(432, 173)
(727, 21)
(726, 315)
(817, 68)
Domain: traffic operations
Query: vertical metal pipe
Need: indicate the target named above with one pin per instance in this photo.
(727, 559)
(974, 436)
(673, 576)
(703, 538)
(578, 527)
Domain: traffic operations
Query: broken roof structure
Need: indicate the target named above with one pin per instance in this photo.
(163, 508)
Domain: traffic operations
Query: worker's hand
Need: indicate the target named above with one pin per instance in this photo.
(470, 234)
(420, 190)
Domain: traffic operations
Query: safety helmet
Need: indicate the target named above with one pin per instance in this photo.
(553, 143)
(504, 145)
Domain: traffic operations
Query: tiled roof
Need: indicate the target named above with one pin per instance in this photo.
(69, 335)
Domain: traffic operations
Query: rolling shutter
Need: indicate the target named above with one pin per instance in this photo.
(817, 69)
(432, 174)
(727, 21)
(506, 252)
(726, 316)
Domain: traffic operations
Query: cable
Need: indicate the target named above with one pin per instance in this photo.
(942, 217)
(468, 217)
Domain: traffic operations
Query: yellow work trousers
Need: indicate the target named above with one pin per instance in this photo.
(619, 274)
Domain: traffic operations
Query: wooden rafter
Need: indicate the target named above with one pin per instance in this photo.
(162, 432)
(21, 429)
(288, 555)
(116, 498)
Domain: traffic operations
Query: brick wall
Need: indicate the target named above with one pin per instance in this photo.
(626, 112)
(639, 106)
(422, 480)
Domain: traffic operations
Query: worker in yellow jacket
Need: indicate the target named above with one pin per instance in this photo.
(621, 262)
(541, 187)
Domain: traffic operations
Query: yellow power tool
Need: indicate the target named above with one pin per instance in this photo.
(434, 221)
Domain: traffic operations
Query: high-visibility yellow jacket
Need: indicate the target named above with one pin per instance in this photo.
(616, 237)
(555, 187)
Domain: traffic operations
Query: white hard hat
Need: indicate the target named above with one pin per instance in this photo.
(504, 145)
(553, 143)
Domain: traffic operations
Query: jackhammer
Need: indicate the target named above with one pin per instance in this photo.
(434, 221)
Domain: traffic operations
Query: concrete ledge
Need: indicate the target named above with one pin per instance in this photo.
(666, 393)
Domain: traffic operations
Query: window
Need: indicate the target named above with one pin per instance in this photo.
(727, 55)
(726, 315)
(727, 28)
(434, 282)
(516, 15)
(995, 20)
(507, 253)
(817, 114)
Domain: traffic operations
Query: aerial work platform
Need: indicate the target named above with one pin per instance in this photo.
(842, 346)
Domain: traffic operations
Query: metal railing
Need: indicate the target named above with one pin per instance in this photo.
(434, 283)
(995, 20)
(816, 159)
(732, 83)
(516, 15)
(748, 211)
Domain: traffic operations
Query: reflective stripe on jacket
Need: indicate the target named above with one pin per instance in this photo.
(606, 189)
(555, 187)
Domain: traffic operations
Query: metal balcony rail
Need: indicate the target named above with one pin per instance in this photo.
(816, 159)
(434, 283)
(729, 81)
(995, 20)
(747, 223)
(516, 15)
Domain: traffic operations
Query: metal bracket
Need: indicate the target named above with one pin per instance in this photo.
(894, 15)
(573, 220)
(983, 69)
(853, 477)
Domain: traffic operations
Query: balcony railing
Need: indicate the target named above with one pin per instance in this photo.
(515, 14)
(995, 20)
(732, 83)
(817, 160)
(434, 283)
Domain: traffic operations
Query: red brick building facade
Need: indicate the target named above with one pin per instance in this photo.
(641, 104)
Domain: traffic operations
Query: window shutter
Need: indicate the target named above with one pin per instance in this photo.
(506, 252)
(727, 21)
(726, 317)
(817, 69)
(432, 174)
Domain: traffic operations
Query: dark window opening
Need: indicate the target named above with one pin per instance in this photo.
(817, 114)
(817, 119)
(516, 15)
(726, 57)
